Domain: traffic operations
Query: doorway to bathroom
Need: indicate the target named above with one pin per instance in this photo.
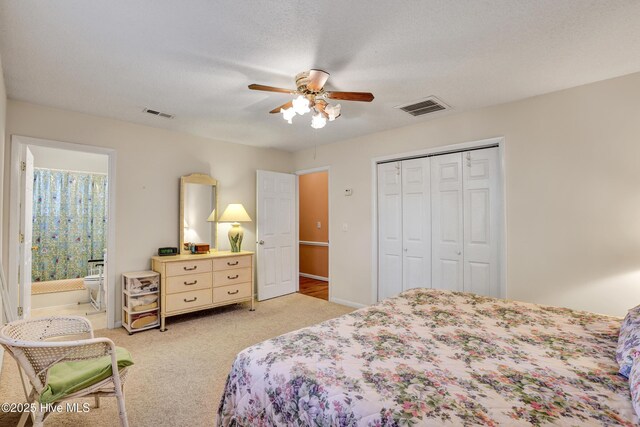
(63, 218)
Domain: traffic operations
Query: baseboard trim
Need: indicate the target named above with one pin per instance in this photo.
(313, 276)
(348, 303)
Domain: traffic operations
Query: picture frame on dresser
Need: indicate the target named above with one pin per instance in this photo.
(191, 283)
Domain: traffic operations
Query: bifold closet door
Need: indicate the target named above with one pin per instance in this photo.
(481, 205)
(416, 223)
(389, 230)
(438, 223)
(447, 222)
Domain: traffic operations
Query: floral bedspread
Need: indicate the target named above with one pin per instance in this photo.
(430, 357)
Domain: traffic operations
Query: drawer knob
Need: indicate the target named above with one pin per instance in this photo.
(232, 263)
(190, 300)
(190, 268)
(234, 292)
(233, 277)
(191, 283)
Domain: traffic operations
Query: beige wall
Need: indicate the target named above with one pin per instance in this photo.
(149, 164)
(572, 194)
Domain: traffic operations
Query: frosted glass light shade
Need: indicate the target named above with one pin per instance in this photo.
(235, 212)
(333, 111)
(288, 114)
(301, 105)
(318, 121)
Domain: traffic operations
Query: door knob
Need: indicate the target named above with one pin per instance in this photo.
(459, 252)
(261, 242)
(405, 249)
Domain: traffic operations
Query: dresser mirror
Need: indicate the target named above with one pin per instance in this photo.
(198, 212)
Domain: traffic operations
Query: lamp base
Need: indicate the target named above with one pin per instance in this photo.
(235, 237)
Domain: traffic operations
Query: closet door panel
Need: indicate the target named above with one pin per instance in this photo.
(481, 195)
(447, 225)
(478, 278)
(416, 223)
(389, 230)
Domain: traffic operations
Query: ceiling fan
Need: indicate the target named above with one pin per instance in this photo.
(312, 97)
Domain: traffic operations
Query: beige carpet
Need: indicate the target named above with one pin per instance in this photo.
(179, 375)
(63, 285)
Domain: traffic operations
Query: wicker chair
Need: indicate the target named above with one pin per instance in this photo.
(30, 343)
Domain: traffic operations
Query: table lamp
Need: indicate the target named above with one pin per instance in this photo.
(235, 213)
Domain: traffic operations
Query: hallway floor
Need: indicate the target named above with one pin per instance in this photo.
(314, 288)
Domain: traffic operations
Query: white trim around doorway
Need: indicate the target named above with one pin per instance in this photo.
(17, 142)
(500, 142)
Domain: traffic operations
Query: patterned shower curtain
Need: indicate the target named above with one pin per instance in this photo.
(69, 223)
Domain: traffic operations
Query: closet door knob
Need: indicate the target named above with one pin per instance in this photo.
(261, 242)
(405, 249)
(459, 253)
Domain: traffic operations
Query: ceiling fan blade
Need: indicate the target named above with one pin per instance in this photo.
(351, 96)
(282, 107)
(270, 88)
(317, 79)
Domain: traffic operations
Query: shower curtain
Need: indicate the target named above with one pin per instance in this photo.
(69, 223)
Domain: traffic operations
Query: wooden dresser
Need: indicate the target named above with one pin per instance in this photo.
(197, 282)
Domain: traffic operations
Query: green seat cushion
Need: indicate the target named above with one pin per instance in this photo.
(66, 378)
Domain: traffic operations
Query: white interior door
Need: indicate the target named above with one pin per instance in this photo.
(481, 225)
(26, 232)
(276, 234)
(447, 225)
(416, 223)
(389, 230)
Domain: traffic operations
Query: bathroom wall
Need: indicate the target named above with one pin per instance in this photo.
(54, 158)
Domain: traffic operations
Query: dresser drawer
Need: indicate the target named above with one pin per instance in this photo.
(188, 267)
(229, 277)
(232, 262)
(231, 292)
(188, 282)
(188, 300)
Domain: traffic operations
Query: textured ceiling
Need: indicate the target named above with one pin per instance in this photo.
(195, 59)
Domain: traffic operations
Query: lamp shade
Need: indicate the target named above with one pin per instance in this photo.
(235, 212)
(212, 217)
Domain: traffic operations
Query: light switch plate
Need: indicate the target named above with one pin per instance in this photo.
(348, 192)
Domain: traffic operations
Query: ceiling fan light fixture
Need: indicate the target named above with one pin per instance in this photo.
(288, 114)
(301, 105)
(318, 121)
(311, 96)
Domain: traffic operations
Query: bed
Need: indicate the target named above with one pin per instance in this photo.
(430, 357)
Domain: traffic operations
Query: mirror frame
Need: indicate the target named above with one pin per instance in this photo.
(197, 178)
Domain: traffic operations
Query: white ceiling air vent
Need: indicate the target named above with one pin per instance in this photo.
(424, 106)
(158, 113)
